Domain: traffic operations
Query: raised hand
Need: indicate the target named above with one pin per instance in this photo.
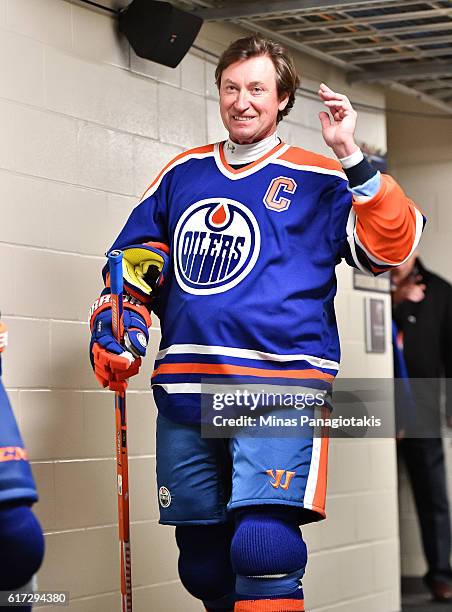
(338, 126)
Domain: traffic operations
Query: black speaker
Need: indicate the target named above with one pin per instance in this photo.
(158, 31)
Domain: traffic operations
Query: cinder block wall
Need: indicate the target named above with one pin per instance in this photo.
(421, 158)
(85, 127)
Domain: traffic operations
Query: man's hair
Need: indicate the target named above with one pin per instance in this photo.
(287, 79)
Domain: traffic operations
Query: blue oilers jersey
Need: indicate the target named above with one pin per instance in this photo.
(249, 296)
(16, 480)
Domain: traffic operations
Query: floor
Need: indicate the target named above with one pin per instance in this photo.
(416, 598)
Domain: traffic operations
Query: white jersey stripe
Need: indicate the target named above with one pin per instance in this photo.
(229, 351)
(351, 222)
(257, 389)
(313, 475)
(171, 388)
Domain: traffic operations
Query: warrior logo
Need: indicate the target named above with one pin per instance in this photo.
(217, 243)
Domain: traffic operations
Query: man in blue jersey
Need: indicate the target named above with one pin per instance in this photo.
(21, 538)
(234, 247)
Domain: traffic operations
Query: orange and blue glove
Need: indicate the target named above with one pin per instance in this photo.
(115, 363)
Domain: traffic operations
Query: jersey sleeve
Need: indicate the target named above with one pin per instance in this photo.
(144, 241)
(375, 232)
(148, 220)
(16, 479)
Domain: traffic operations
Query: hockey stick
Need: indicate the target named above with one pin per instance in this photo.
(122, 459)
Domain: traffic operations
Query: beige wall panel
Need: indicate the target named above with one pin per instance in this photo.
(339, 528)
(23, 198)
(344, 274)
(95, 37)
(56, 284)
(37, 142)
(110, 96)
(154, 553)
(98, 439)
(343, 475)
(143, 489)
(163, 74)
(84, 562)
(386, 564)
(68, 364)
(105, 159)
(8, 280)
(45, 509)
(376, 516)
(14, 399)
(211, 91)
(169, 596)
(88, 210)
(101, 603)
(50, 24)
(22, 81)
(383, 457)
(185, 129)
(141, 417)
(52, 424)
(355, 571)
(150, 157)
(313, 535)
(31, 367)
(317, 590)
(85, 493)
(215, 128)
(373, 603)
(193, 77)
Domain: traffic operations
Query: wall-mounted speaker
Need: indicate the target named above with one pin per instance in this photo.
(159, 31)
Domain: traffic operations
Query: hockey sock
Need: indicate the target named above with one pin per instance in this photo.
(21, 545)
(269, 557)
(223, 604)
(204, 564)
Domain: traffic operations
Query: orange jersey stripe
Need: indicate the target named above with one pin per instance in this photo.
(320, 489)
(297, 155)
(270, 605)
(13, 453)
(159, 245)
(194, 151)
(224, 368)
(386, 224)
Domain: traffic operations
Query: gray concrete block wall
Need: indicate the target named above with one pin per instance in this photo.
(85, 127)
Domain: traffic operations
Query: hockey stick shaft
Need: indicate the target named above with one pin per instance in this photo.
(122, 459)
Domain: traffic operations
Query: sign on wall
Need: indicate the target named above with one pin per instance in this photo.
(374, 319)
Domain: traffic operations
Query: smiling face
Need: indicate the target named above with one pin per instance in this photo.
(249, 102)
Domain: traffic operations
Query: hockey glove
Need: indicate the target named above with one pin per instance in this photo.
(115, 363)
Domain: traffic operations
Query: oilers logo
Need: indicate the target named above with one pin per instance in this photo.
(217, 242)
